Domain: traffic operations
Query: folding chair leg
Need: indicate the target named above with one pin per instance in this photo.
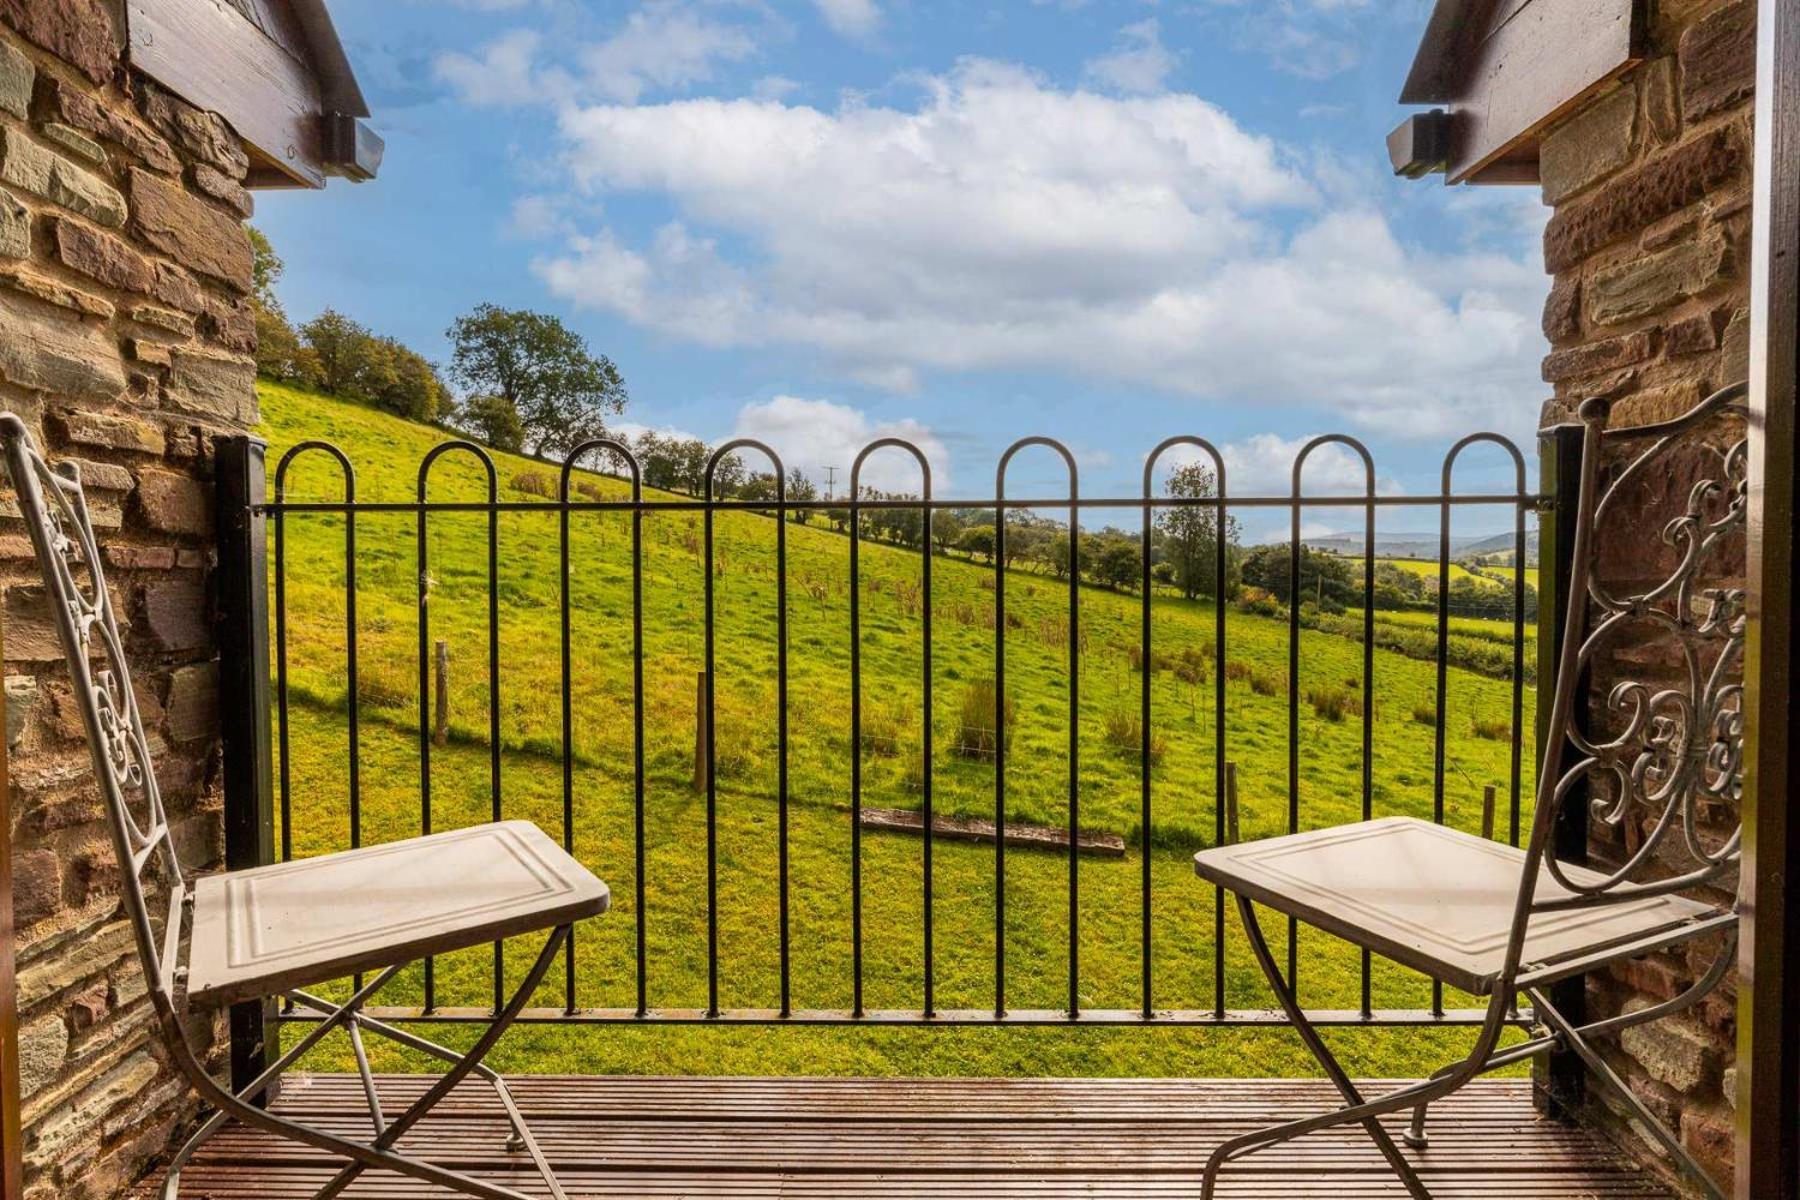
(335, 1016)
(1358, 1111)
(377, 1153)
(458, 1072)
(1575, 1038)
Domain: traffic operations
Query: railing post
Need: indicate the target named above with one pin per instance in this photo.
(1557, 1080)
(243, 639)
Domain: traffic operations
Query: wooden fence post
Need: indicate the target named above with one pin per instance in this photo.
(440, 730)
(700, 731)
(1487, 812)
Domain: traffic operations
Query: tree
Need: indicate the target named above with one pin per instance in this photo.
(978, 541)
(492, 419)
(802, 490)
(339, 342)
(265, 269)
(1190, 540)
(1119, 563)
(561, 391)
(946, 528)
(1323, 577)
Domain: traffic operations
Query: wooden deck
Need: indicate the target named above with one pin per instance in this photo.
(846, 1138)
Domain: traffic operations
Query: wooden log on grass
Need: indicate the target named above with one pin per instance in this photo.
(977, 829)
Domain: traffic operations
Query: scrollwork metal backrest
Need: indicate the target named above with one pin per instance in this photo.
(55, 510)
(1656, 754)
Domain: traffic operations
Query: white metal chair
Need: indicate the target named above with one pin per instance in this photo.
(1495, 920)
(278, 930)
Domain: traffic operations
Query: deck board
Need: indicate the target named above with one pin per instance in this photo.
(847, 1139)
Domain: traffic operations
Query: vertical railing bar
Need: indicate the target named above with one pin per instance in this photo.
(1146, 660)
(781, 720)
(281, 680)
(1518, 680)
(283, 769)
(712, 788)
(856, 946)
(568, 713)
(1074, 742)
(353, 701)
(639, 886)
(1293, 699)
(494, 803)
(1000, 741)
(1368, 700)
(1219, 588)
(424, 568)
(1442, 668)
(930, 901)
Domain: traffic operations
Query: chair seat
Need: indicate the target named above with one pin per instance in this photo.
(1435, 899)
(256, 933)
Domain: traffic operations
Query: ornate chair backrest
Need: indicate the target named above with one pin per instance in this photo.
(62, 534)
(1670, 751)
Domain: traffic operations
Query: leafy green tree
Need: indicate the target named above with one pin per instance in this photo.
(492, 419)
(946, 528)
(1325, 578)
(562, 392)
(340, 345)
(1190, 533)
(265, 269)
(978, 541)
(1119, 563)
(803, 490)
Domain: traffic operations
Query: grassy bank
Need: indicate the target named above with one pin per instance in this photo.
(1184, 665)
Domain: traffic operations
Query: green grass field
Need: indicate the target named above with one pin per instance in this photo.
(1427, 568)
(386, 452)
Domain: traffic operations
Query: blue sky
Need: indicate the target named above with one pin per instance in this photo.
(818, 222)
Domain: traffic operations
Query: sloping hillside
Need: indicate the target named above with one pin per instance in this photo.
(386, 453)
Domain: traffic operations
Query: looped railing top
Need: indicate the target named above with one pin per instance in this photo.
(1662, 748)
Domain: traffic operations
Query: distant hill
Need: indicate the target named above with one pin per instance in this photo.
(1425, 545)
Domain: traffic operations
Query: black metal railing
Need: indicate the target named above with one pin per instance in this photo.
(281, 512)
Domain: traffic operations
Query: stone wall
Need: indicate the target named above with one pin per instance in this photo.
(1648, 246)
(125, 336)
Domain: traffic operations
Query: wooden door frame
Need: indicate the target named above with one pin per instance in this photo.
(1768, 1059)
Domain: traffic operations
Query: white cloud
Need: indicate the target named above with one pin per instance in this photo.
(1004, 224)
(665, 45)
(662, 45)
(852, 18)
(1138, 62)
(815, 434)
(502, 74)
(632, 430)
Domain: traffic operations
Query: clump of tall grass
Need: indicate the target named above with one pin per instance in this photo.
(1425, 714)
(534, 483)
(1494, 729)
(1333, 703)
(1266, 683)
(1190, 665)
(1124, 730)
(979, 720)
(882, 725)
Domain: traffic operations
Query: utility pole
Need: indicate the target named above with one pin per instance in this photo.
(831, 483)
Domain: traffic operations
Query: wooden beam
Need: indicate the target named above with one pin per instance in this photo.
(1768, 1059)
(213, 57)
(1537, 62)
